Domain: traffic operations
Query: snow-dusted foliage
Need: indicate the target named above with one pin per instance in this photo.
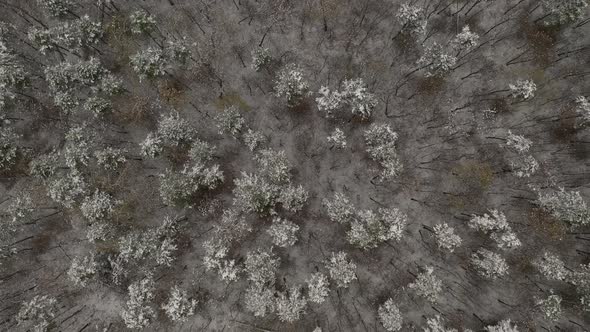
(582, 108)
(524, 166)
(552, 267)
(437, 324)
(261, 58)
(446, 237)
(177, 50)
(20, 209)
(340, 209)
(230, 121)
(412, 19)
(581, 279)
(179, 305)
(523, 89)
(254, 194)
(567, 206)
(261, 266)
(142, 22)
(497, 227)
(82, 270)
(318, 287)
(502, 326)
(56, 7)
(489, 264)
(427, 285)
(437, 61)
(45, 165)
(37, 313)
(337, 139)
(75, 35)
(390, 316)
(465, 40)
(369, 228)
(380, 140)
(13, 76)
(290, 305)
(550, 307)
(98, 106)
(175, 130)
(155, 245)
(152, 145)
(342, 270)
(291, 85)
(138, 312)
(8, 149)
(67, 189)
(98, 207)
(292, 198)
(253, 139)
(149, 63)
(564, 11)
(259, 300)
(518, 143)
(354, 94)
(111, 159)
(283, 232)
(201, 151)
(177, 188)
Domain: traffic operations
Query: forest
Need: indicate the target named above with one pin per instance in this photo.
(295, 165)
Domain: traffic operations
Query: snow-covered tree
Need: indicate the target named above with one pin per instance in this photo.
(98, 106)
(292, 198)
(21, 209)
(259, 300)
(565, 205)
(253, 139)
(412, 19)
(582, 108)
(291, 84)
(290, 305)
(201, 151)
(175, 130)
(138, 312)
(465, 40)
(581, 279)
(356, 95)
(177, 188)
(506, 239)
(550, 307)
(318, 287)
(519, 143)
(177, 50)
(370, 229)
(56, 8)
(142, 22)
(45, 165)
(489, 264)
(337, 139)
(381, 140)
(230, 121)
(437, 324)
(274, 165)
(329, 101)
(179, 305)
(283, 232)
(340, 209)
(446, 237)
(261, 266)
(552, 267)
(254, 194)
(502, 326)
(8, 148)
(564, 11)
(37, 313)
(427, 285)
(82, 270)
(489, 223)
(390, 316)
(437, 61)
(524, 166)
(98, 207)
(151, 146)
(523, 89)
(111, 159)
(261, 58)
(149, 63)
(342, 270)
(67, 189)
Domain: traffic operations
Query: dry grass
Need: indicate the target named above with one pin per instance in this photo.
(475, 174)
